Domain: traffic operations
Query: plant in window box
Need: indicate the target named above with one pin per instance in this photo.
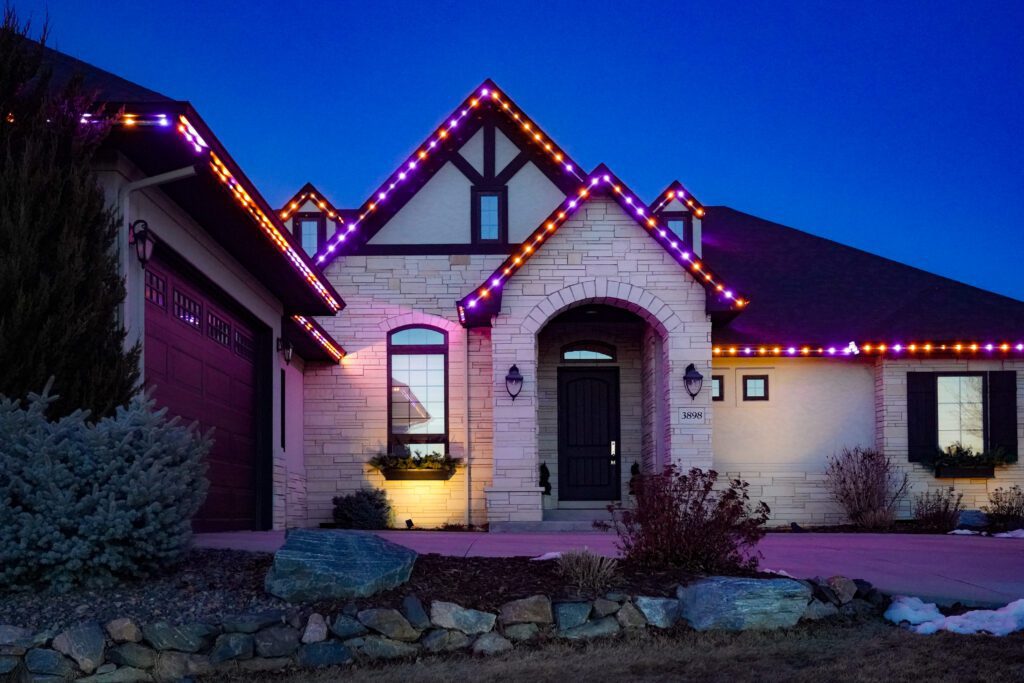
(963, 461)
(433, 466)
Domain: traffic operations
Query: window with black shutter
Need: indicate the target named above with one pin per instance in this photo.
(975, 409)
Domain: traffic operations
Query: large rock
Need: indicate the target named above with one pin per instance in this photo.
(451, 616)
(378, 647)
(737, 604)
(182, 638)
(596, 628)
(390, 623)
(819, 610)
(277, 641)
(442, 640)
(12, 635)
(8, 664)
(629, 616)
(413, 610)
(843, 587)
(571, 614)
(123, 675)
(250, 623)
(491, 644)
(346, 627)
(320, 565)
(659, 612)
(316, 629)
(230, 646)
(84, 644)
(532, 610)
(603, 607)
(133, 655)
(521, 633)
(48, 662)
(972, 519)
(327, 653)
(124, 631)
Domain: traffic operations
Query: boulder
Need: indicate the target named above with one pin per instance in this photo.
(40, 660)
(858, 608)
(230, 646)
(413, 610)
(346, 627)
(105, 668)
(491, 644)
(133, 655)
(823, 592)
(595, 628)
(8, 664)
(451, 616)
(327, 653)
(521, 633)
(181, 638)
(972, 519)
(170, 666)
(629, 616)
(378, 647)
(84, 643)
(277, 641)
(843, 587)
(603, 607)
(123, 675)
(659, 612)
(250, 623)
(390, 623)
(737, 604)
(13, 635)
(123, 631)
(571, 614)
(442, 640)
(320, 565)
(817, 609)
(316, 629)
(532, 610)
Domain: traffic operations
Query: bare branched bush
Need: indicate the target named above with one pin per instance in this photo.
(867, 485)
(587, 571)
(938, 510)
(1005, 509)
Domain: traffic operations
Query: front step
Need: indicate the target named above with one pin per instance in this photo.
(546, 526)
(578, 515)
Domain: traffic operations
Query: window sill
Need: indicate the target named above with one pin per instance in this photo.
(965, 471)
(396, 474)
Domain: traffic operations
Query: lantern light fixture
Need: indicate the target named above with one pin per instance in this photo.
(141, 236)
(513, 382)
(287, 348)
(693, 381)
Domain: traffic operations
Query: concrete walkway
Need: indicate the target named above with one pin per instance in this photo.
(944, 569)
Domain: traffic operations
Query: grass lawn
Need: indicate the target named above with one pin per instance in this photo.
(869, 650)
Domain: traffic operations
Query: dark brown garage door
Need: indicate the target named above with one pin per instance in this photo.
(200, 360)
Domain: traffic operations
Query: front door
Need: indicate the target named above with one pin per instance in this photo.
(588, 434)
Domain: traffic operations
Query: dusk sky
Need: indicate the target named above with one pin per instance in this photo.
(895, 127)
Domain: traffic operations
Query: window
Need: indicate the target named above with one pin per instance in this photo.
(490, 215)
(717, 388)
(244, 346)
(311, 230)
(755, 387)
(678, 222)
(961, 403)
(588, 352)
(156, 289)
(188, 310)
(218, 329)
(418, 391)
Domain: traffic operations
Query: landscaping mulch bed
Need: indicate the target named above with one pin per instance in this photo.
(212, 583)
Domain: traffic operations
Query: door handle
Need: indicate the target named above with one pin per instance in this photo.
(613, 453)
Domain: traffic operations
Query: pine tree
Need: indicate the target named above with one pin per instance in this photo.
(59, 284)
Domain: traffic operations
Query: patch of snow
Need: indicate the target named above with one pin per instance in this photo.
(925, 618)
(780, 572)
(963, 532)
(1016, 533)
(547, 556)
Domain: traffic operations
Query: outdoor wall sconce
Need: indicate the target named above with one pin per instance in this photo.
(513, 382)
(287, 348)
(140, 235)
(693, 381)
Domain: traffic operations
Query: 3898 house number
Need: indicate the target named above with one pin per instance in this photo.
(691, 415)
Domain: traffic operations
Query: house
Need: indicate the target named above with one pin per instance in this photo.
(537, 320)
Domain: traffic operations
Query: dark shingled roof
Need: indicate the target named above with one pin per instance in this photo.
(107, 86)
(808, 289)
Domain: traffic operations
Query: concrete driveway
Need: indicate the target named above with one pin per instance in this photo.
(944, 569)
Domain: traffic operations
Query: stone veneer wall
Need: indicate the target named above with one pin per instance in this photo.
(600, 255)
(346, 406)
(891, 425)
(626, 338)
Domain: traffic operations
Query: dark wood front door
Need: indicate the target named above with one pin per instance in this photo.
(588, 425)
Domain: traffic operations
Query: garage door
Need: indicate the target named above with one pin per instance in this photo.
(200, 360)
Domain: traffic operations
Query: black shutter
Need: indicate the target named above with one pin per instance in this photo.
(1002, 412)
(922, 417)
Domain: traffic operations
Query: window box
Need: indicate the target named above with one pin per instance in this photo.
(403, 474)
(965, 471)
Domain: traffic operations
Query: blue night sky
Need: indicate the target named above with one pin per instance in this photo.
(894, 127)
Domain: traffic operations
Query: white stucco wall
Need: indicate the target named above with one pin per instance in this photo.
(438, 214)
(531, 199)
(781, 446)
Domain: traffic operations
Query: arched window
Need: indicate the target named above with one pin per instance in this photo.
(418, 390)
(588, 352)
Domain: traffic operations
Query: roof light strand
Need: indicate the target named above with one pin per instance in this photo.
(335, 353)
(896, 349)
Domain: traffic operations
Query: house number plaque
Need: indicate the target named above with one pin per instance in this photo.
(692, 416)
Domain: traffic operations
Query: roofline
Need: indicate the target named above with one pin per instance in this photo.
(676, 190)
(309, 191)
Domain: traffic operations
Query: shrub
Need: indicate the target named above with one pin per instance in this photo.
(404, 461)
(363, 509)
(587, 571)
(867, 485)
(679, 520)
(938, 510)
(88, 504)
(1005, 509)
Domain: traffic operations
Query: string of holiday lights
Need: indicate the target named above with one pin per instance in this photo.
(916, 349)
(486, 94)
(313, 330)
(324, 204)
(671, 242)
(677, 191)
